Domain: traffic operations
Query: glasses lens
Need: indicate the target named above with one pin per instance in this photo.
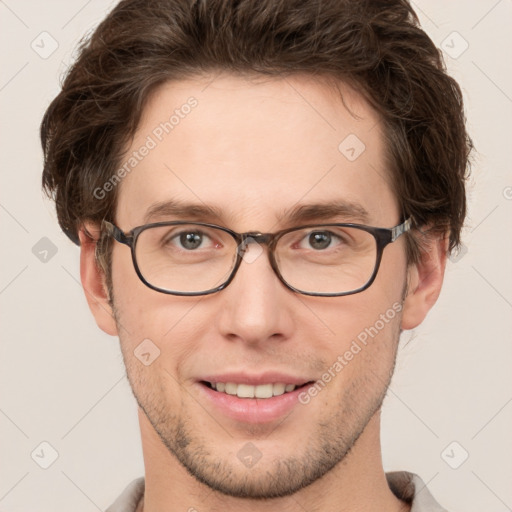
(186, 257)
(327, 259)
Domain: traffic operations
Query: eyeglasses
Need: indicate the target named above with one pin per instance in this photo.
(196, 258)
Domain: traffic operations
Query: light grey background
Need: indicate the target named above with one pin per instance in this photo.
(62, 380)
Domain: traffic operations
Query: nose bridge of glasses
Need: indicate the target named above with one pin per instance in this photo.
(255, 237)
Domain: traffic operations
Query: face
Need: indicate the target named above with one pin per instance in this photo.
(254, 152)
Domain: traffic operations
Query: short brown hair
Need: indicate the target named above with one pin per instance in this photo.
(377, 46)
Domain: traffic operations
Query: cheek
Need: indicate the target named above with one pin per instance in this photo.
(142, 312)
(371, 344)
(364, 368)
(363, 316)
(158, 333)
(364, 329)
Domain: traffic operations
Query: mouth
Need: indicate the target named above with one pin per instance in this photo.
(252, 404)
(253, 398)
(262, 391)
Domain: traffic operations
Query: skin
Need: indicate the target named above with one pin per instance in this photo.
(253, 149)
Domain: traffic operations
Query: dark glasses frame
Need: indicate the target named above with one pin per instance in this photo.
(383, 237)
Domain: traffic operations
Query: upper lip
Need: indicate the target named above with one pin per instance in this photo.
(255, 380)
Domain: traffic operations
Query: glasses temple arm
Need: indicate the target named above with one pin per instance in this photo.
(401, 229)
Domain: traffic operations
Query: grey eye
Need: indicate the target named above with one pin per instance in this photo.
(191, 240)
(320, 239)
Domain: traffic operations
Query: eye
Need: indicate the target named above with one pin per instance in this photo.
(319, 240)
(189, 240)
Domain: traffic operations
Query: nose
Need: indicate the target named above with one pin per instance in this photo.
(256, 306)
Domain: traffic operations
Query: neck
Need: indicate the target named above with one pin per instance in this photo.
(357, 483)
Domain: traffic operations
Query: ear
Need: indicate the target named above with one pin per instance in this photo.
(424, 281)
(94, 280)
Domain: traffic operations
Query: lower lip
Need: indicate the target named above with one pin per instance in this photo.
(253, 410)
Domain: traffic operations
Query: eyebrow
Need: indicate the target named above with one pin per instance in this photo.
(340, 209)
(301, 213)
(176, 208)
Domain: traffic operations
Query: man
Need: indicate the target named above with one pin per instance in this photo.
(265, 194)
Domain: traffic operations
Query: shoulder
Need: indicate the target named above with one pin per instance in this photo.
(410, 488)
(129, 498)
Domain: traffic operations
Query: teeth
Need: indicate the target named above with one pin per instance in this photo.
(249, 391)
(279, 389)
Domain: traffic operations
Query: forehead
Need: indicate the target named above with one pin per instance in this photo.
(253, 149)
